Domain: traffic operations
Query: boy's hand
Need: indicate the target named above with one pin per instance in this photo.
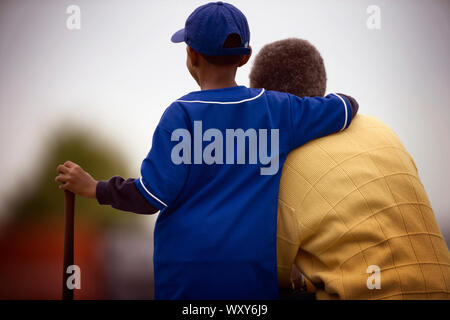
(75, 179)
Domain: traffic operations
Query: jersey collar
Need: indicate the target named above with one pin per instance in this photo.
(230, 95)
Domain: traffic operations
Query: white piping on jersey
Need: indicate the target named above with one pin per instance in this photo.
(346, 112)
(142, 184)
(229, 102)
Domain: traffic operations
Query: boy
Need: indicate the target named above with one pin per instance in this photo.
(213, 169)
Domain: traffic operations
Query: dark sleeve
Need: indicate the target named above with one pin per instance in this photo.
(353, 104)
(123, 195)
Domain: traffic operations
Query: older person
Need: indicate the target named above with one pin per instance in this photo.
(353, 215)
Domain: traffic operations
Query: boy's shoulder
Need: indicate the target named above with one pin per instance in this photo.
(278, 93)
(229, 95)
(278, 98)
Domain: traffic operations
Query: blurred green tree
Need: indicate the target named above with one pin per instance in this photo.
(45, 201)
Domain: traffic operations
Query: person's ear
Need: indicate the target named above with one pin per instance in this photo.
(245, 58)
(193, 56)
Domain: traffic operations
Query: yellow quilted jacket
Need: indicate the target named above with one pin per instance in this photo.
(353, 200)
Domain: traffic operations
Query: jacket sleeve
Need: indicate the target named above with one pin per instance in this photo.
(163, 172)
(123, 195)
(353, 104)
(315, 117)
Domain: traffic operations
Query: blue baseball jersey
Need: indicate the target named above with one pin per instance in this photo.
(214, 171)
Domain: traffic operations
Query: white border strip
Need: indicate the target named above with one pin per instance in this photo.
(218, 102)
(346, 111)
(142, 184)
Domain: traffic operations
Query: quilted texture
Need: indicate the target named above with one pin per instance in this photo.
(354, 199)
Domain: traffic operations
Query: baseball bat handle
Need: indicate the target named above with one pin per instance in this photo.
(69, 209)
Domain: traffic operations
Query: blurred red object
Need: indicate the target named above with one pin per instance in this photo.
(31, 261)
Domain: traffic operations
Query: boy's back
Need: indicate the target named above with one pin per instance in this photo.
(215, 237)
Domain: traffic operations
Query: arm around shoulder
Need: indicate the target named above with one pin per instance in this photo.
(315, 117)
(353, 104)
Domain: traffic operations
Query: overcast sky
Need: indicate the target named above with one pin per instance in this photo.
(120, 71)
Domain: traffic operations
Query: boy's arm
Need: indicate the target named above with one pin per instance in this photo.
(123, 195)
(315, 117)
(117, 192)
(353, 104)
(161, 182)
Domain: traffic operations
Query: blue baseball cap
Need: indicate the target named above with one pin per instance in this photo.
(208, 27)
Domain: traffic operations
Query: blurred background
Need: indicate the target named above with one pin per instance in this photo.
(94, 95)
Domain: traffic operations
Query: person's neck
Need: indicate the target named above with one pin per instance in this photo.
(218, 85)
(217, 79)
